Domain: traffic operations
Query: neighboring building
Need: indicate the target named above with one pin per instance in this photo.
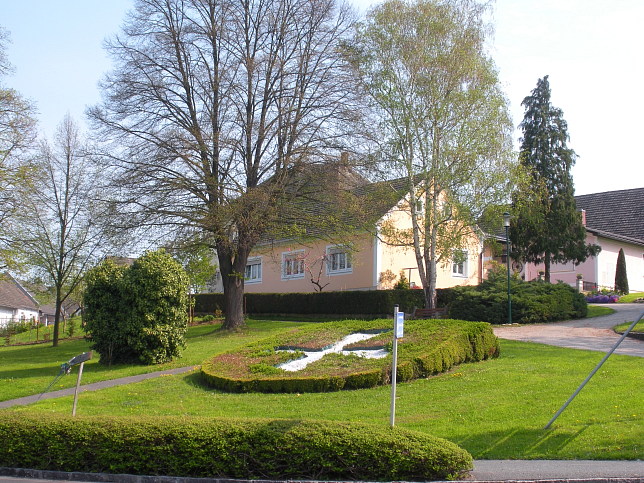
(16, 304)
(358, 259)
(613, 220)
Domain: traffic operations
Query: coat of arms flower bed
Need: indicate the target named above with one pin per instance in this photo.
(428, 347)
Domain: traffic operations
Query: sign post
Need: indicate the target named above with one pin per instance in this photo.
(80, 359)
(399, 322)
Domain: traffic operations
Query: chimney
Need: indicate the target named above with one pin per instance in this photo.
(583, 217)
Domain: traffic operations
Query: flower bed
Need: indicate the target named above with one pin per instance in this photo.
(428, 347)
(602, 299)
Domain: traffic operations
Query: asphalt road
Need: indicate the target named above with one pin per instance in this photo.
(593, 334)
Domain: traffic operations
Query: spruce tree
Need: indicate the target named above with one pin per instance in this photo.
(621, 280)
(546, 227)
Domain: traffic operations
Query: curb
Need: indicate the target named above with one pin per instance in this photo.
(125, 478)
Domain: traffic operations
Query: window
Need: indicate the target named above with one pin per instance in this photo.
(253, 272)
(292, 265)
(459, 264)
(338, 260)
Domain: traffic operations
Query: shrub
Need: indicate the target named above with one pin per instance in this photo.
(532, 302)
(139, 312)
(227, 448)
(621, 279)
(428, 347)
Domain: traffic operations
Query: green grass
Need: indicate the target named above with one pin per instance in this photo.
(29, 369)
(621, 328)
(597, 311)
(495, 409)
(630, 298)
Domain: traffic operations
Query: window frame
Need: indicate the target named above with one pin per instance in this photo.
(254, 261)
(348, 262)
(288, 257)
(464, 265)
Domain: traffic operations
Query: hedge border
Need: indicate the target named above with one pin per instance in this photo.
(227, 448)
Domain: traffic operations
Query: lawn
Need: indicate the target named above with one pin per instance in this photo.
(28, 369)
(630, 298)
(495, 409)
(598, 311)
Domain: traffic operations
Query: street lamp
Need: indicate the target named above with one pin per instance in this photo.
(506, 224)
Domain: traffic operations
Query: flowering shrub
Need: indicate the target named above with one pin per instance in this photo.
(601, 299)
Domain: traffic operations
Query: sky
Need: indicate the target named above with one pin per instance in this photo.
(590, 49)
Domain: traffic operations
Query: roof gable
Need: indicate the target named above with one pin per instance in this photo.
(13, 296)
(615, 213)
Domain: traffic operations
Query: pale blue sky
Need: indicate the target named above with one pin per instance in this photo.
(591, 49)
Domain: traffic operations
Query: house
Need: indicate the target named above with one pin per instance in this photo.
(613, 220)
(16, 304)
(356, 256)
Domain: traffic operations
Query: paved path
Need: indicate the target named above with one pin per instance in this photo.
(593, 334)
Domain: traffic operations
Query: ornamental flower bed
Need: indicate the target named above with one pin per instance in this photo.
(428, 347)
(602, 299)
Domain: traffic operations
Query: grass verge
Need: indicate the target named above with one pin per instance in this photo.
(598, 311)
(29, 369)
(495, 409)
(630, 298)
(621, 328)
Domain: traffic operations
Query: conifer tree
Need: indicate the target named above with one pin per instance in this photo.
(621, 279)
(546, 227)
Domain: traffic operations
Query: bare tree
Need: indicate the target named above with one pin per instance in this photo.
(56, 229)
(213, 106)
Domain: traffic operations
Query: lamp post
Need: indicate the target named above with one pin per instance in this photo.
(506, 224)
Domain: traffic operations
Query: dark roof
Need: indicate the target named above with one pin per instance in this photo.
(13, 296)
(615, 214)
(331, 200)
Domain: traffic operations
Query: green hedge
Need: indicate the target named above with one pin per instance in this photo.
(227, 448)
(357, 302)
(428, 347)
(532, 302)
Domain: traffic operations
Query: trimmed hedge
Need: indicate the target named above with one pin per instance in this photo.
(227, 448)
(428, 347)
(532, 302)
(357, 302)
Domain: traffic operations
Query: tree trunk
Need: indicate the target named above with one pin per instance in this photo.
(232, 268)
(59, 304)
(234, 297)
(546, 267)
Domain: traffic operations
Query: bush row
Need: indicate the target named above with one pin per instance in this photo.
(227, 448)
(356, 302)
(532, 302)
(428, 347)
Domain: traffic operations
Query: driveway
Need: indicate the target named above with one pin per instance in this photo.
(593, 334)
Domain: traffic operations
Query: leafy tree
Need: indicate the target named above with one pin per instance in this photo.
(17, 135)
(139, 312)
(546, 226)
(621, 279)
(213, 106)
(443, 118)
(104, 312)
